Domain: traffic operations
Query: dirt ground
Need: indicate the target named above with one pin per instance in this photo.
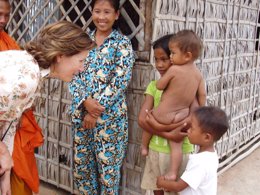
(241, 179)
(47, 189)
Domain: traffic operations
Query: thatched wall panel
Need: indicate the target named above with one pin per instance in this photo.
(133, 180)
(142, 75)
(134, 134)
(136, 99)
(65, 177)
(41, 164)
(52, 170)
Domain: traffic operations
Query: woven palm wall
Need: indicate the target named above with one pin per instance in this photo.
(230, 65)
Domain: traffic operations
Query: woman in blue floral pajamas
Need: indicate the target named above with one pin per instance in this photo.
(99, 110)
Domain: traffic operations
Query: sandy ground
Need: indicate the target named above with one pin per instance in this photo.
(47, 189)
(241, 179)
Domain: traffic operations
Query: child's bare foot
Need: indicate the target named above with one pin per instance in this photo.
(170, 176)
(144, 150)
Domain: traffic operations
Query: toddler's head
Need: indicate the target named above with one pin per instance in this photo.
(185, 47)
(162, 53)
(208, 125)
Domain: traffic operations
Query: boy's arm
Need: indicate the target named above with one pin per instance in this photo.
(201, 93)
(170, 185)
(162, 83)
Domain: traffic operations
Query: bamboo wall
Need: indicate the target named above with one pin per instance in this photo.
(230, 66)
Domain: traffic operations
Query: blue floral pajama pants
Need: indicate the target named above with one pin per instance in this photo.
(99, 155)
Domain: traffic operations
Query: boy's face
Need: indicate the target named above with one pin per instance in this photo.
(195, 133)
(162, 60)
(177, 56)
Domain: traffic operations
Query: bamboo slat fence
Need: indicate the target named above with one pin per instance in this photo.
(230, 65)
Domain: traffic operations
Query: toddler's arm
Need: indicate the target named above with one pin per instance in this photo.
(171, 185)
(165, 79)
(201, 93)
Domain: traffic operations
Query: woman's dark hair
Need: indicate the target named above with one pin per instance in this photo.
(115, 4)
(212, 120)
(163, 43)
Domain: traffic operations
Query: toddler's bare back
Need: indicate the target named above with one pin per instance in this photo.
(179, 94)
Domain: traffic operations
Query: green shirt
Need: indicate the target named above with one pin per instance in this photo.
(158, 143)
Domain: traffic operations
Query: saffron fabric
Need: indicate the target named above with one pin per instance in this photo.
(18, 187)
(28, 136)
(7, 43)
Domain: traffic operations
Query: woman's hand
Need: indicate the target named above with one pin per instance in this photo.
(177, 134)
(89, 122)
(152, 122)
(5, 186)
(6, 161)
(93, 107)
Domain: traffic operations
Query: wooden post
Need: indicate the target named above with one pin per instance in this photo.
(148, 28)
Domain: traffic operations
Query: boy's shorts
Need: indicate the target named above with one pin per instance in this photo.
(157, 164)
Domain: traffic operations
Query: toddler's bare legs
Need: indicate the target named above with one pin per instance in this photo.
(176, 159)
(145, 143)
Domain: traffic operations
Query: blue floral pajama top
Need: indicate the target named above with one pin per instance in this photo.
(107, 73)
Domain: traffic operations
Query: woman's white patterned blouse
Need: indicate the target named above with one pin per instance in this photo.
(19, 79)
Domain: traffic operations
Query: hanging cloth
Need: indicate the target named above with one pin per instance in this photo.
(28, 136)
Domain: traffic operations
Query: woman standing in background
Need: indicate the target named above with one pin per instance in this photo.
(99, 110)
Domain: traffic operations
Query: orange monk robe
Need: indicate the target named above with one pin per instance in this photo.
(27, 137)
(7, 43)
